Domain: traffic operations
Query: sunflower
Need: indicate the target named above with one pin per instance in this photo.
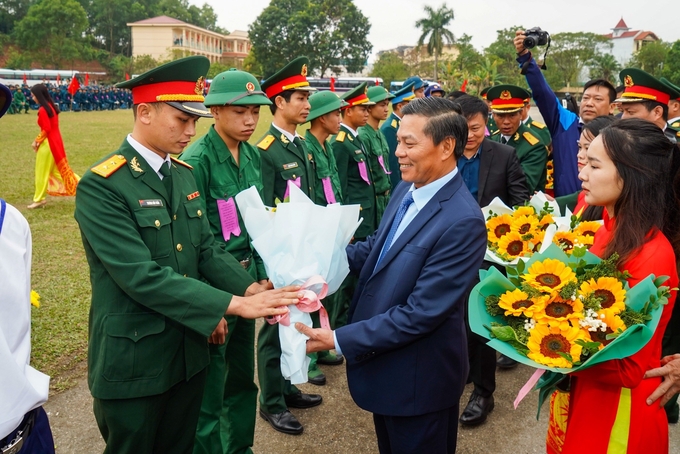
(518, 303)
(545, 221)
(614, 323)
(585, 240)
(549, 276)
(609, 290)
(523, 211)
(565, 240)
(547, 342)
(498, 226)
(587, 228)
(560, 312)
(511, 244)
(524, 225)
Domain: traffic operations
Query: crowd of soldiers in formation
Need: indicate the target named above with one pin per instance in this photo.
(85, 99)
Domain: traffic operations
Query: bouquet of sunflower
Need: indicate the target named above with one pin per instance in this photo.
(574, 233)
(521, 231)
(563, 313)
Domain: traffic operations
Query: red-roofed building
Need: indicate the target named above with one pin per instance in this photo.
(625, 42)
(163, 37)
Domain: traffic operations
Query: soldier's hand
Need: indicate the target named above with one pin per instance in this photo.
(257, 287)
(319, 339)
(670, 371)
(519, 42)
(219, 336)
(265, 304)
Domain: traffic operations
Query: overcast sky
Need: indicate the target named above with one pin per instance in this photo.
(393, 21)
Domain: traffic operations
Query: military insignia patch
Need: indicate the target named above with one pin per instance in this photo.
(310, 157)
(628, 81)
(304, 71)
(505, 94)
(250, 87)
(538, 124)
(284, 139)
(530, 138)
(676, 124)
(182, 163)
(108, 167)
(151, 203)
(394, 123)
(134, 164)
(340, 137)
(357, 151)
(516, 137)
(291, 165)
(266, 142)
(193, 195)
(200, 85)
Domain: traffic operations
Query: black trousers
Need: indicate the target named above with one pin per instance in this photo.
(431, 433)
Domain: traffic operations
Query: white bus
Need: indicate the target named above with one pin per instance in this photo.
(35, 76)
(342, 84)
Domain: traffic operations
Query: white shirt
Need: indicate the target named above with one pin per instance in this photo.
(153, 159)
(22, 388)
(354, 133)
(289, 136)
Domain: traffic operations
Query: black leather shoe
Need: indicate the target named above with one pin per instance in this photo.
(504, 362)
(330, 359)
(477, 410)
(301, 400)
(318, 378)
(284, 422)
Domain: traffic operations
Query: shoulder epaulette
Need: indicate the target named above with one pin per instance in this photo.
(493, 133)
(530, 138)
(173, 159)
(266, 142)
(395, 123)
(340, 137)
(538, 124)
(676, 124)
(108, 167)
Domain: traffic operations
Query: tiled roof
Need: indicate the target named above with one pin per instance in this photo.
(160, 20)
(621, 24)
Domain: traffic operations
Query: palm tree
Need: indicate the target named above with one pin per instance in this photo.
(434, 26)
(604, 66)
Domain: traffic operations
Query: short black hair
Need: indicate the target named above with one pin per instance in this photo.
(471, 106)
(651, 105)
(286, 95)
(602, 83)
(444, 119)
(455, 94)
(620, 89)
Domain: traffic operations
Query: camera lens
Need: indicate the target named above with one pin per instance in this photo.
(529, 42)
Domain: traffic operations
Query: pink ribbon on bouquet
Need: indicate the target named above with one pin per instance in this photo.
(528, 386)
(310, 302)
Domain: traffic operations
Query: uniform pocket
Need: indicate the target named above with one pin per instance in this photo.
(154, 228)
(194, 209)
(132, 349)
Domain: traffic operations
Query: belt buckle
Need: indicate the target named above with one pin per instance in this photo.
(15, 446)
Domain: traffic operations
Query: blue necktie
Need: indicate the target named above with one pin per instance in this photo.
(403, 208)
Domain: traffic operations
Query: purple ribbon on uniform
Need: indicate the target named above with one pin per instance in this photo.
(296, 182)
(228, 218)
(381, 160)
(328, 190)
(363, 172)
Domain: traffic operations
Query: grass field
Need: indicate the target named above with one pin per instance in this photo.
(60, 271)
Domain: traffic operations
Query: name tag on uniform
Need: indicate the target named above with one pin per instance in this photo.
(358, 151)
(151, 203)
(289, 166)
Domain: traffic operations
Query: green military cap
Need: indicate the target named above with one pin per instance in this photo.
(483, 93)
(506, 98)
(179, 83)
(293, 76)
(235, 88)
(405, 93)
(641, 86)
(675, 94)
(324, 102)
(378, 93)
(357, 96)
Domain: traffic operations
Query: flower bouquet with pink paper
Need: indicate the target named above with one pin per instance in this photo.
(304, 244)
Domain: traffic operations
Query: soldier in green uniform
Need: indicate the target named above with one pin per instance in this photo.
(491, 123)
(284, 158)
(19, 101)
(391, 125)
(225, 164)
(150, 251)
(673, 106)
(378, 152)
(325, 120)
(540, 130)
(507, 102)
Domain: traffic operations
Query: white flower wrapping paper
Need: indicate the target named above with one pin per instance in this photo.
(297, 241)
(538, 201)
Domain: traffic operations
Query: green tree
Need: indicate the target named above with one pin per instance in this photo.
(216, 68)
(569, 54)
(389, 66)
(330, 33)
(52, 31)
(671, 67)
(253, 66)
(11, 12)
(435, 26)
(504, 51)
(468, 57)
(651, 57)
(606, 67)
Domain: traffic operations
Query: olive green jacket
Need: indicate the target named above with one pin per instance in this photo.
(378, 153)
(282, 161)
(218, 177)
(532, 153)
(350, 157)
(150, 314)
(326, 168)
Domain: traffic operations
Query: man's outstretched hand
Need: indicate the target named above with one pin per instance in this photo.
(319, 339)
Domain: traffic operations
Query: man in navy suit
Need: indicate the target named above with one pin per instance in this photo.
(405, 343)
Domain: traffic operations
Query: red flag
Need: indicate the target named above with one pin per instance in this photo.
(87, 79)
(24, 78)
(73, 86)
(127, 76)
(58, 79)
(332, 83)
(377, 82)
(462, 87)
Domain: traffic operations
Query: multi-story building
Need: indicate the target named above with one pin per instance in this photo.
(164, 37)
(626, 42)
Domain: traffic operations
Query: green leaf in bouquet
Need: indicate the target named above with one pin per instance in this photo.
(614, 335)
(579, 251)
(660, 280)
(521, 265)
(501, 332)
(632, 317)
(547, 384)
(568, 290)
(492, 306)
(588, 348)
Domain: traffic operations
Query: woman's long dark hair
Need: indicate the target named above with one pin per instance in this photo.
(647, 163)
(592, 212)
(45, 100)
